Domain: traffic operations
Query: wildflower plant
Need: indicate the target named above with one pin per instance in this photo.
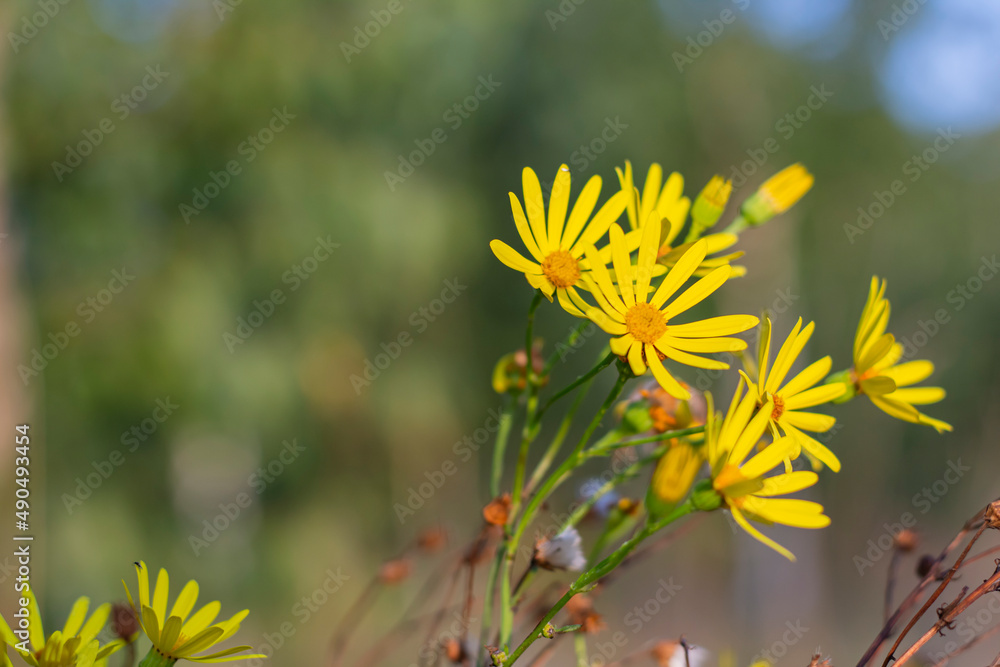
(174, 636)
(639, 269)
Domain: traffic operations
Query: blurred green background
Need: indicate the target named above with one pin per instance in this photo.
(228, 159)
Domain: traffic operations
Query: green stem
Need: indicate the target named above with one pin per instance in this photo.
(491, 584)
(738, 224)
(529, 431)
(580, 645)
(595, 573)
(598, 450)
(604, 363)
(503, 435)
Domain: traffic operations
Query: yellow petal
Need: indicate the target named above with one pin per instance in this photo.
(534, 205)
(186, 600)
(151, 624)
(200, 641)
(909, 373)
(780, 485)
(877, 386)
(558, 205)
(635, 360)
(201, 619)
(608, 325)
(896, 409)
(628, 186)
(760, 537)
(698, 292)
(702, 344)
(624, 275)
(171, 631)
(918, 395)
(809, 376)
(160, 593)
(621, 345)
(646, 262)
(787, 355)
(725, 325)
(650, 191)
(611, 211)
(815, 396)
(768, 458)
(524, 229)
(810, 421)
(874, 353)
(790, 512)
(813, 446)
(76, 617)
(665, 379)
(691, 359)
(763, 350)
(599, 274)
(513, 259)
(582, 209)
(95, 623)
(679, 274)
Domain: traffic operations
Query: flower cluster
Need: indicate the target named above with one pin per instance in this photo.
(174, 636)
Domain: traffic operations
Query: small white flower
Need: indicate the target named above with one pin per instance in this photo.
(562, 552)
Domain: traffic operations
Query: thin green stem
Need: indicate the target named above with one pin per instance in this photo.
(491, 584)
(604, 363)
(506, 620)
(595, 573)
(580, 645)
(500, 448)
(598, 450)
(738, 224)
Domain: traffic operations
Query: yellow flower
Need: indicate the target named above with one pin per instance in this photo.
(674, 476)
(176, 636)
(667, 209)
(790, 398)
(777, 194)
(76, 645)
(742, 483)
(877, 372)
(558, 245)
(640, 317)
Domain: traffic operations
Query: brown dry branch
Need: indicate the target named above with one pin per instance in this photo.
(931, 575)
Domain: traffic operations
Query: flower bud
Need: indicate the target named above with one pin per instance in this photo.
(674, 475)
(705, 498)
(777, 194)
(709, 205)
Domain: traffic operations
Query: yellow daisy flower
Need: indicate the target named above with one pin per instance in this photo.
(175, 636)
(877, 372)
(792, 397)
(558, 245)
(742, 483)
(640, 317)
(76, 645)
(664, 205)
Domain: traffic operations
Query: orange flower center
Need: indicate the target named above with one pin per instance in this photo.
(561, 268)
(779, 407)
(646, 323)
